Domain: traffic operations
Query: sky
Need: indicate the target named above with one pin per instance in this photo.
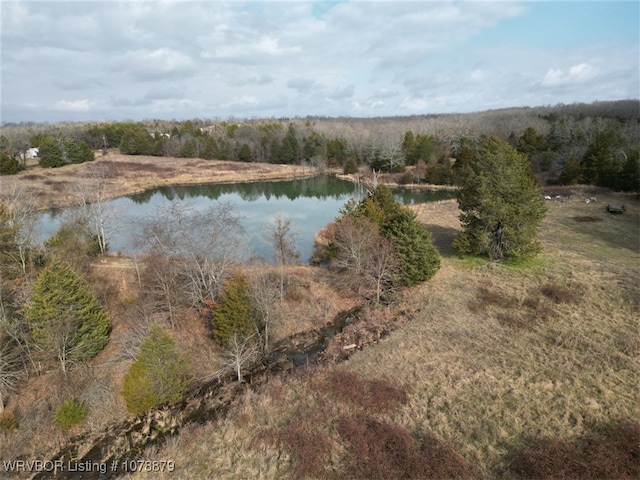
(178, 60)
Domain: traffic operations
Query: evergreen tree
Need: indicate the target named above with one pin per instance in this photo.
(601, 163)
(49, 153)
(413, 245)
(67, 322)
(233, 314)
(136, 140)
(572, 172)
(350, 166)
(290, 149)
(244, 153)
(78, 152)
(411, 241)
(158, 376)
(630, 174)
(8, 164)
(501, 204)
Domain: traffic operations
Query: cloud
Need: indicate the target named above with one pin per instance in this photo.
(153, 64)
(574, 75)
(184, 59)
(75, 106)
(301, 85)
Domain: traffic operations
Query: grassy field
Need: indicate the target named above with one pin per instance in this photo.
(501, 371)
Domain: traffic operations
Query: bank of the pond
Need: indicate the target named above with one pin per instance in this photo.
(117, 175)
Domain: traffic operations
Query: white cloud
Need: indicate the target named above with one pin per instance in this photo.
(184, 59)
(149, 64)
(575, 74)
(75, 106)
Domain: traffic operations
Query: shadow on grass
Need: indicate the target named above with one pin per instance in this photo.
(443, 239)
(612, 452)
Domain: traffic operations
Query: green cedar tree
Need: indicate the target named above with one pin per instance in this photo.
(501, 204)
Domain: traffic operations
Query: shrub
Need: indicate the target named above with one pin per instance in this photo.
(70, 413)
(158, 376)
(8, 422)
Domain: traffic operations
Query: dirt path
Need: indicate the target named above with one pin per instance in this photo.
(121, 175)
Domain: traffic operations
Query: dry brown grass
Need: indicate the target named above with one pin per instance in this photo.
(611, 452)
(504, 366)
(497, 368)
(129, 174)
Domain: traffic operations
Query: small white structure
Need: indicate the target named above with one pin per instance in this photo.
(32, 152)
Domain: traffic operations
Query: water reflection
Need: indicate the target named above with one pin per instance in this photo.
(312, 203)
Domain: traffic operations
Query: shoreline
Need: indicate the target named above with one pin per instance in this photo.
(357, 179)
(116, 175)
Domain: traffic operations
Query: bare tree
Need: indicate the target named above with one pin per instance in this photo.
(265, 294)
(21, 216)
(239, 351)
(9, 372)
(190, 254)
(280, 233)
(15, 329)
(366, 256)
(93, 198)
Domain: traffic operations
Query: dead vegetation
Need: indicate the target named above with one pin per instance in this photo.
(498, 371)
(526, 371)
(127, 174)
(612, 451)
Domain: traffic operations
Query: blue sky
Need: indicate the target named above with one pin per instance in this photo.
(173, 59)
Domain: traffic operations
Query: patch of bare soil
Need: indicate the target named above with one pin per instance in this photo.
(118, 175)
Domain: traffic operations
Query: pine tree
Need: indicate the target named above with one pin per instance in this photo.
(49, 153)
(8, 164)
(501, 204)
(68, 323)
(78, 152)
(234, 313)
(411, 241)
(158, 376)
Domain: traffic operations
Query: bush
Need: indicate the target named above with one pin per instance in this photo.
(8, 422)
(8, 164)
(234, 312)
(158, 376)
(70, 413)
(350, 166)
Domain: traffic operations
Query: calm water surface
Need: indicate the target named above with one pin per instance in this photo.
(312, 203)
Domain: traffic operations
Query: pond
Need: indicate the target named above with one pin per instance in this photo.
(311, 203)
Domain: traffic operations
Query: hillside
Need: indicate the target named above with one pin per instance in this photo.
(494, 366)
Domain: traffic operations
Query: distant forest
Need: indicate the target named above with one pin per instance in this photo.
(596, 143)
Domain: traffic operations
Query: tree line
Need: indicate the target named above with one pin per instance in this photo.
(595, 143)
